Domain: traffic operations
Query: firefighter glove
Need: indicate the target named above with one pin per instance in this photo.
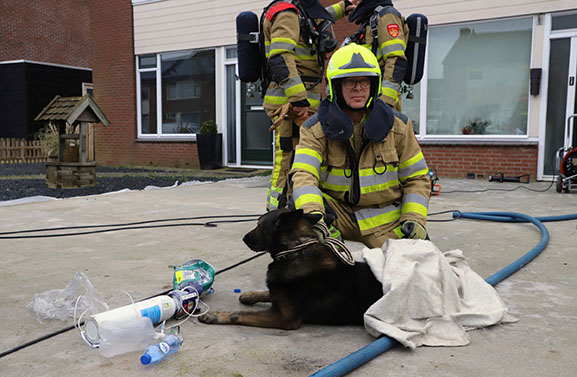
(320, 226)
(414, 230)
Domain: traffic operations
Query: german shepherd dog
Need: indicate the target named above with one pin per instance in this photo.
(311, 285)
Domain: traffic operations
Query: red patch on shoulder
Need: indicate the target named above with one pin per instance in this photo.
(279, 7)
(393, 30)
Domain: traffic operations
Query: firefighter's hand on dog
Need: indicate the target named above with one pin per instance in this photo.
(414, 230)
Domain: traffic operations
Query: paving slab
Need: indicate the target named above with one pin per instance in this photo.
(542, 295)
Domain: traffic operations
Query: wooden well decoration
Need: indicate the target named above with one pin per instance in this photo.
(79, 113)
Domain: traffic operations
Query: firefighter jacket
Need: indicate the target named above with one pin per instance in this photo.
(392, 37)
(386, 180)
(292, 62)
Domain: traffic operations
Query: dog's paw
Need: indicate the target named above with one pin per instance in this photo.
(214, 318)
(247, 299)
(208, 318)
(251, 298)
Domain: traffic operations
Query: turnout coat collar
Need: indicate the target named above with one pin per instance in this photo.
(338, 126)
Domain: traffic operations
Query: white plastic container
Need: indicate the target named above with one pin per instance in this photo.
(158, 309)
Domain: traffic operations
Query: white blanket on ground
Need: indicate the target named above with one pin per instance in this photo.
(429, 297)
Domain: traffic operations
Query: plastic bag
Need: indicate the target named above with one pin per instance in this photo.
(118, 338)
(60, 303)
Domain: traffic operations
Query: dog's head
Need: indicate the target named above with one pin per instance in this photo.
(280, 230)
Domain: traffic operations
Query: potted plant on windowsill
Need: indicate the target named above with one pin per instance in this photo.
(209, 144)
(476, 126)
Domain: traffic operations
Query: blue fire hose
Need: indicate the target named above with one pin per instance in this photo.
(384, 343)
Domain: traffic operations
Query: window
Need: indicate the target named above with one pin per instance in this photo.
(184, 90)
(177, 92)
(411, 106)
(147, 61)
(148, 102)
(564, 21)
(477, 79)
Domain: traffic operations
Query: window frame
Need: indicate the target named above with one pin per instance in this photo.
(159, 135)
(467, 139)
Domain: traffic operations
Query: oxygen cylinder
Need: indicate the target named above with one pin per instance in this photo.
(415, 51)
(158, 309)
(248, 47)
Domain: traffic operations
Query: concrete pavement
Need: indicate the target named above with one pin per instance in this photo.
(542, 295)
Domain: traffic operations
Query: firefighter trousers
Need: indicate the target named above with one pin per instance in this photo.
(346, 222)
(286, 137)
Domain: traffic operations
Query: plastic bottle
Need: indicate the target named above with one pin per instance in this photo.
(155, 353)
(158, 309)
(118, 338)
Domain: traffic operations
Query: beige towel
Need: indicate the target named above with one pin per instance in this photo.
(429, 297)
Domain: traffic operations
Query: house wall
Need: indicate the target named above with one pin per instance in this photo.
(187, 24)
(44, 51)
(46, 31)
(115, 93)
(459, 161)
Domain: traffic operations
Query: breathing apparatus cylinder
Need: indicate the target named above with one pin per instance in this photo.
(415, 51)
(158, 309)
(248, 47)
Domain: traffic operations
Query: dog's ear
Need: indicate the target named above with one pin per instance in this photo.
(287, 217)
(314, 217)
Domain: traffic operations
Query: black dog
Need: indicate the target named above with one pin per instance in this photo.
(311, 285)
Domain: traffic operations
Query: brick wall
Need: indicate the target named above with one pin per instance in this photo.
(456, 161)
(46, 31)
(114, 76)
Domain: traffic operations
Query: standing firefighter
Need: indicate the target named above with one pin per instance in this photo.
(359, 159)
(297, 36)
(378, 18)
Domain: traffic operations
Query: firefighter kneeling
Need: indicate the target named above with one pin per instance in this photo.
(358, 160)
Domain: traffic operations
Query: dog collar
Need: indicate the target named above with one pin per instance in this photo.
(337, 246)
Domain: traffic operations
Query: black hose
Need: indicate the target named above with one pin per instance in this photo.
(125, 226)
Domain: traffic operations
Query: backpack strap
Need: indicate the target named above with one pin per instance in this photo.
(374, 25)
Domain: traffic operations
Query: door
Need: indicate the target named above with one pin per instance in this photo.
(256, 139)
(561, 92)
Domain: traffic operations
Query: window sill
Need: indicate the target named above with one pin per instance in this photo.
(473, 140)
(166, 140)
(139, 2)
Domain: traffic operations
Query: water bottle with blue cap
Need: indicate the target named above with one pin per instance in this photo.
(157, 352)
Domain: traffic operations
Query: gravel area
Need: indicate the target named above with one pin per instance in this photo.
(16, 188)
(40, 168)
